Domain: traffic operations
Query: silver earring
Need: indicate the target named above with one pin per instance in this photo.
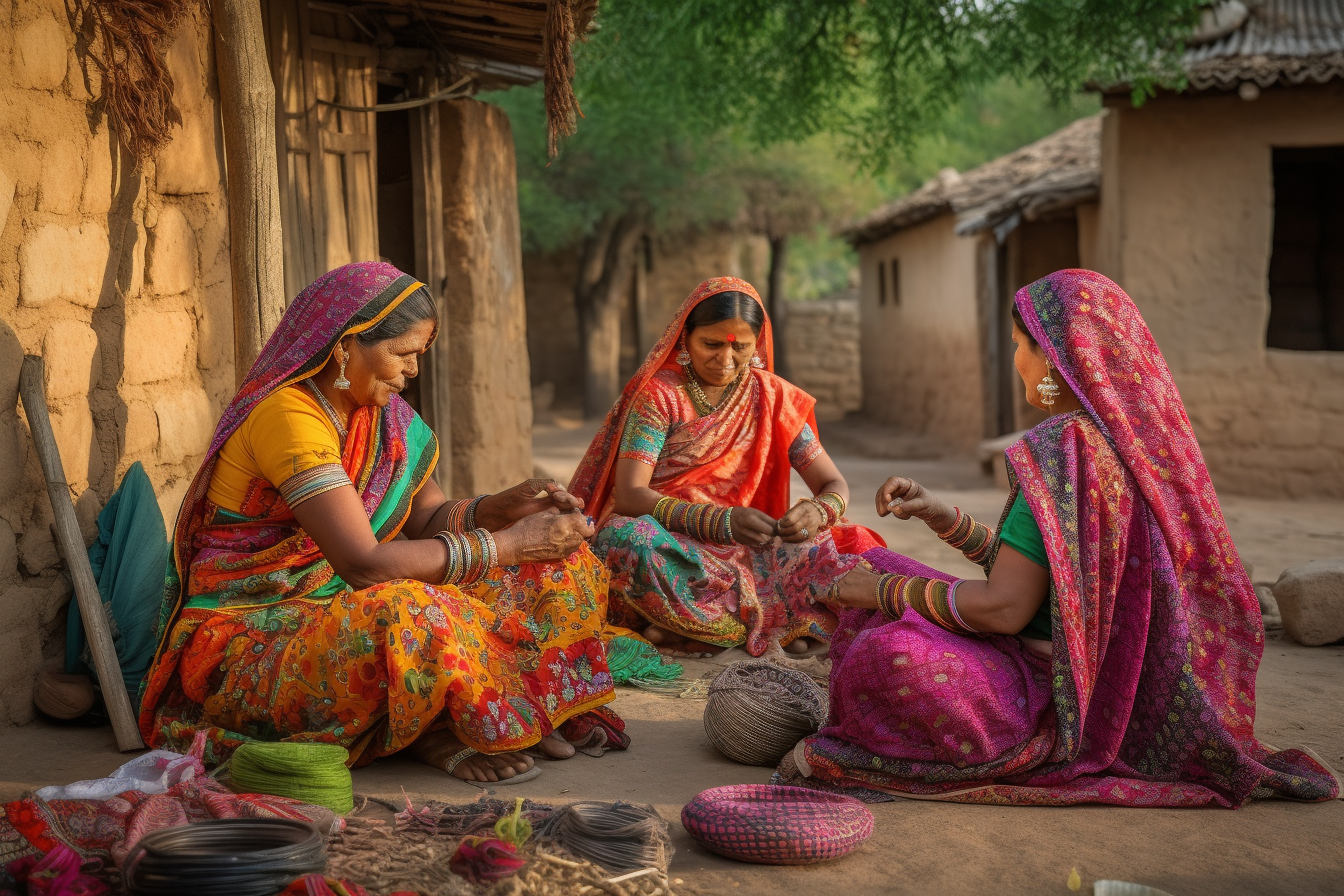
(341, 381)
(757, 362)
(683, 356)
(1048, 389)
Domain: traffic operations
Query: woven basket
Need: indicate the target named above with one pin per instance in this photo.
(757, 711)
(773, 825)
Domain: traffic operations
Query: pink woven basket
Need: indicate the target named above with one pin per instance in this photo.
(776, 825)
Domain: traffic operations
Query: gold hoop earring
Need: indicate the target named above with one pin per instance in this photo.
(1048, 389)
(341, 381)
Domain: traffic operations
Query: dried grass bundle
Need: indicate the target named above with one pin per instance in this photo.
(562, 106)
(128, 41)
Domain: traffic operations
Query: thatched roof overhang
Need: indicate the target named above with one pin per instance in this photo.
(1051, 175)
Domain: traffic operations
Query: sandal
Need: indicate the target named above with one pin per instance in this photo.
(467, 753)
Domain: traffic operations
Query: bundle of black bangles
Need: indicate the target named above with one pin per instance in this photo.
(224, 857)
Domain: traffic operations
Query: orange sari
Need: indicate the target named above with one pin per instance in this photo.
(739, 456)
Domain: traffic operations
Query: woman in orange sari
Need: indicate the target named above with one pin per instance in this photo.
(689, 479)
(323, 589)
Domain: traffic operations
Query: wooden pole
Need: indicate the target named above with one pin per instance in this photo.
(77, 559)
(247, 107)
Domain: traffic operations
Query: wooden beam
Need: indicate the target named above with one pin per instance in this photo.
(96, 626)
(256, 247)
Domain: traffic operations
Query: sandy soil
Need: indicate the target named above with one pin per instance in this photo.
(922, 847)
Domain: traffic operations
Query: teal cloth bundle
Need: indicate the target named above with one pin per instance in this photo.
(634, 661)
(129, 561)
(309, 773)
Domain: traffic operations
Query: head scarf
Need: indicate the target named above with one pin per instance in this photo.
(343, 302)
(593, 481)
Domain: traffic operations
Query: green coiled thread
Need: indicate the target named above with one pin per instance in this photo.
(309, 773)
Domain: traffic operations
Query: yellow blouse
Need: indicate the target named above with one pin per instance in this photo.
(288, 442)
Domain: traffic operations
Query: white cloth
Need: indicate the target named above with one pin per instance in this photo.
(154, 772)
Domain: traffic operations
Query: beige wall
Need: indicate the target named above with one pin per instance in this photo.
(922, 358)
(679, 263)
(1185, 227)
(120, 280)
(824, 356)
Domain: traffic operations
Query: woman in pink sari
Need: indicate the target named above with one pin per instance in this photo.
(1110, 656)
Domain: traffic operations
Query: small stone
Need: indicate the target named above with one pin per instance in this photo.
(171, 263)
(98, 181)
(1311, 601)
(140, 429)
(40, 55)
(156, 345)
(9, 552)
(72, 424)
(70, 359)
(185, 425)
(62, 180)
(63, 263)
(6, 197)
(189, 162)
(1269, 607)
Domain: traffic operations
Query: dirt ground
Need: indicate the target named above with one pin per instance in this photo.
(921, 847)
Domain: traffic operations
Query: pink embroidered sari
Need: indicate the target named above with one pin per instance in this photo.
(1149, 697)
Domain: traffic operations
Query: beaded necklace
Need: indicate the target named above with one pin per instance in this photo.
(697, 394)
(328, 409)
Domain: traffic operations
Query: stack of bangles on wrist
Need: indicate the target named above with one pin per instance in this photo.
(969, 537)
(705, 522)
(462, 514)
(471, 555)
(831, 506)
(933, 599)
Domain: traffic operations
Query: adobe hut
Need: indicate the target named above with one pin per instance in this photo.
(1219, 209)
(119, 263)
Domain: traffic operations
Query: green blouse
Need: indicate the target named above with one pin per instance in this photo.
(1020, 532)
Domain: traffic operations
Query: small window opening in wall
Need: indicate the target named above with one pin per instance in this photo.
(1306, 267)
(895, 281)
(881, 283)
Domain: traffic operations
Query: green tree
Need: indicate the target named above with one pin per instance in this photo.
(699, 111)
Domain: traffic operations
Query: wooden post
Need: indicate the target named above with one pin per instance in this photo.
(77, 559)
(256, 248)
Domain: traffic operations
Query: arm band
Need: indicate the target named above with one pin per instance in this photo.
(704, 522)
(973, 539)
(930, 598)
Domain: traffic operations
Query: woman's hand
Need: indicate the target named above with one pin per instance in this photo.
(752, 527)
(523, 500)
(549, 535)
(803, 521)
(904, 498)
(858, 588)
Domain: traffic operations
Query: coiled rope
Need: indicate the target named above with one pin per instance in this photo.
(757, 711)
(309, 773)
(224, 857)
(618, 836)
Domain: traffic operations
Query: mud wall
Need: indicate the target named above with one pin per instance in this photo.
(117, 275)
(1186, 227)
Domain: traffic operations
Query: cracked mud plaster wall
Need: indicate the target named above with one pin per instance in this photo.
(119, 277)
(1187, 224)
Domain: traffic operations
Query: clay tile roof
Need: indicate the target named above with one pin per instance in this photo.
(1056, 172)
(1289, 41)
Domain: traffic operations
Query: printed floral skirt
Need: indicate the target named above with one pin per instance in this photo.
(503, 663)
(720, 594)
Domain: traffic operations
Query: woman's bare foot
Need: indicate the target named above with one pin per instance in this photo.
(554, 746)
(437, 748)
(677, 645)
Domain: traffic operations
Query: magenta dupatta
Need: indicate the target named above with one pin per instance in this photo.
(1149, 697)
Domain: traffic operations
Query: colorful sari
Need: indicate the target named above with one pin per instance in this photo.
(260, 639)
(1149, 695)
(736, 456)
